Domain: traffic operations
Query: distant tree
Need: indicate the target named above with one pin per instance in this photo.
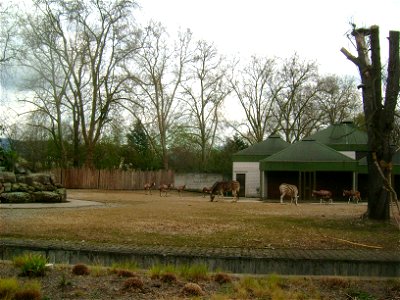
(158, 74)
(379, 112)
(204, 90)
(338, 99)
(296, 109)
(255, 88)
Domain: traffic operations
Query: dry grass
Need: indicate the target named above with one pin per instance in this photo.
(131, 217)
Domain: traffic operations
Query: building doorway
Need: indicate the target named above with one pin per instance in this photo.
(242, 180)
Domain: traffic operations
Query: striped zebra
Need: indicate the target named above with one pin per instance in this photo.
(289, 190)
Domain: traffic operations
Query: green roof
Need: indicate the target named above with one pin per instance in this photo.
(308, 155)
(344, 136)
(256, 152)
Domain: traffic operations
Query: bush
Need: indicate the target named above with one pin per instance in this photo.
(133, 283)
(8, 287)
(222, 278)
(192, 289)
(80, 269)
(31, 264)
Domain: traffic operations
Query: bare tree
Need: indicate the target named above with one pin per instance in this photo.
(338, 99)
(296, 109)
(203, 92)
(160, 67)
(379, 112)
(85, 47)
(255, 88)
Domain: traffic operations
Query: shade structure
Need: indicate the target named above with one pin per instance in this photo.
(308, 155)
(259, 151)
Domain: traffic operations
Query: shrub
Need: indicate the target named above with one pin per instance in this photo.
(8, 287)
(194, 272)
(80, 269)
(222, 278)
(192, 289)
(125, 273)
(168, 277)
(31, 264)
(28, 295)
(133, 283)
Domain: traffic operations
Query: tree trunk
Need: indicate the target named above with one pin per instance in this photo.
(379, 116)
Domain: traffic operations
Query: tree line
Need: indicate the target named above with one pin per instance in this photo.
(104, 91)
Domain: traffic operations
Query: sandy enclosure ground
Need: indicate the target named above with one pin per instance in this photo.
(189, 219)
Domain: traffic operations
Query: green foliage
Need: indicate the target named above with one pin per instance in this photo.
(194, 272)
(31, 264)
(126, 265)
(12, 289)
(8, 287)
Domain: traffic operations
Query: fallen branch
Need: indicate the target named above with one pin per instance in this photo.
(357, 244)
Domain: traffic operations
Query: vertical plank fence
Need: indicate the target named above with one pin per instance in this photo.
(85, 178)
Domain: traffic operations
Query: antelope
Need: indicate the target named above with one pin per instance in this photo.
(149, 186)
(164, 188)
(323, 195)
(220, 187)
(180, 189)
(353, 195)
(206, 190)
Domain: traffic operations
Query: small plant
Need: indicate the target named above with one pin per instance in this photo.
(31, 290)
(133, 283)
(192, 289)
(125, 273)
(80, 269)
(31, 264)
(64, 282)
(222, 278)
(168, 277)
(194, 272)
(127, 265)
(8, 287)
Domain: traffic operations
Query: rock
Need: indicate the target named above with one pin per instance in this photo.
(16, 197)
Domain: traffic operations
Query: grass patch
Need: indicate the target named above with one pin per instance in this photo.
(31, 265)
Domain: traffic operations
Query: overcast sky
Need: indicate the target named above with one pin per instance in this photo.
(315, 29)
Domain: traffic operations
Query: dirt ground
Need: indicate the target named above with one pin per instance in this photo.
(59, 283)
(132, 217)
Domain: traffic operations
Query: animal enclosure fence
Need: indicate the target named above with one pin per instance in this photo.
(85, 178)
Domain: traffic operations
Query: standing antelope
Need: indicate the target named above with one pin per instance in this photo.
(353, 195)
(289, 190)
(149, 186)
(180, 189)
(164, 188)
(324, 195)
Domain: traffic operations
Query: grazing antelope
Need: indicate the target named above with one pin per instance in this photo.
(353, 195)
(149, 186)
(181, 188)
(289, 190)
(323, 195)
(220, 187)
(164, 188)
(206, 190)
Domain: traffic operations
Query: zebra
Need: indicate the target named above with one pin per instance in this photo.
(289, 190)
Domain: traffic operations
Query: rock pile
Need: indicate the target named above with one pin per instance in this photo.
(30, 188)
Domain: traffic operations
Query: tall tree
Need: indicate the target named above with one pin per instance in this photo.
(254, 87)
(379, 112)
(85, 46)
(160, 68)
(296, 110)
(203, 92)
(338, 99)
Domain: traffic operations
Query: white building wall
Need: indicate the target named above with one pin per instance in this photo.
(251, 169)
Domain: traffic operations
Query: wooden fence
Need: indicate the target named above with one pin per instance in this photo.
(83, 178)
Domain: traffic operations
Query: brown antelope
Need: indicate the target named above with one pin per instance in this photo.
(181, 188)
(164, 188)
(206, 190)
(323, 195)
(353, 195)
(149, 186)
(289, 190)
(225, 186)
